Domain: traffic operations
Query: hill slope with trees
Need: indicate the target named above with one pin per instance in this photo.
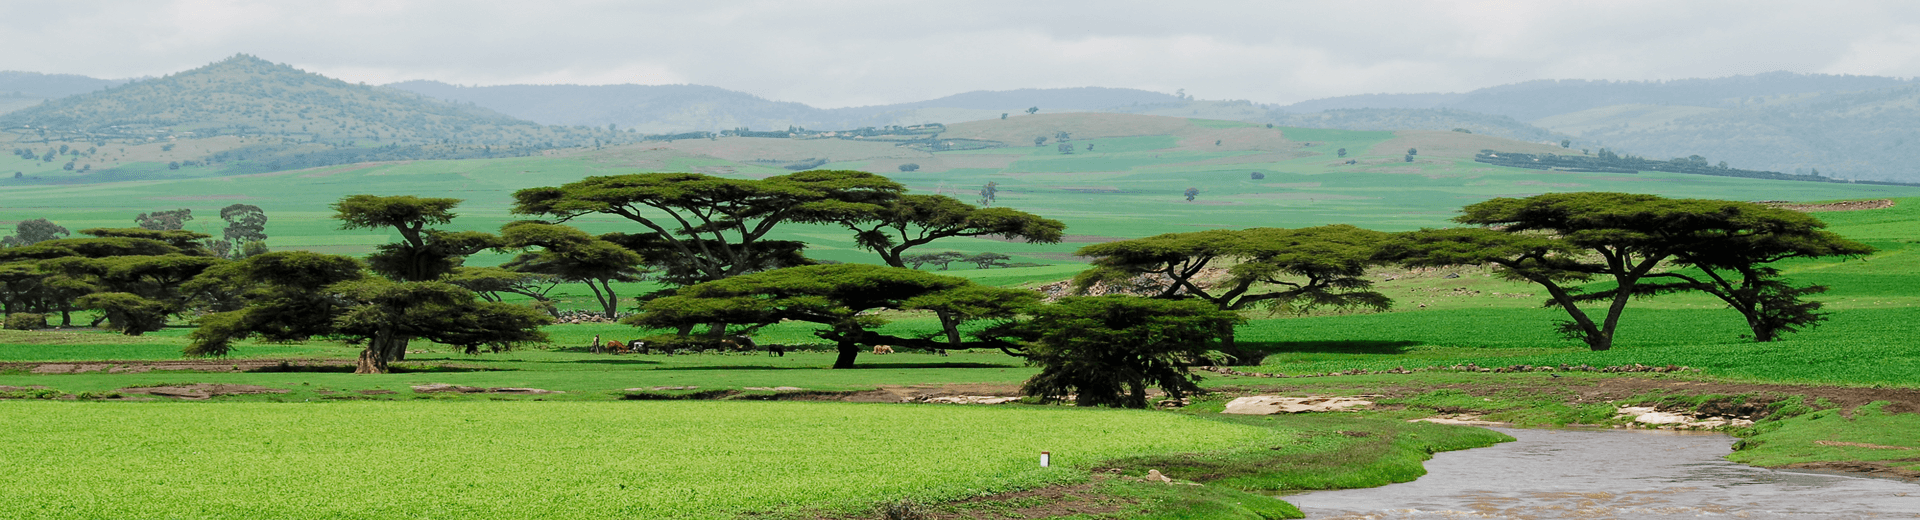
(275, 117)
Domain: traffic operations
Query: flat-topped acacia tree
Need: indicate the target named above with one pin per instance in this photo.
(837, 296)
(714, 227)
(1282, 269)
(575, 256)
(1634, 241)
(917, 220)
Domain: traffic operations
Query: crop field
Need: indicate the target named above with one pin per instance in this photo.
(692, 460)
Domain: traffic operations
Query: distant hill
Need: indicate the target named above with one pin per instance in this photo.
(666, 109)
(1862, 135)
(1418, 119)
(20, 90)
(1531, 100)
(286, 118)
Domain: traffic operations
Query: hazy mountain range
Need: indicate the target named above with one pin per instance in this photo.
(1845, 126)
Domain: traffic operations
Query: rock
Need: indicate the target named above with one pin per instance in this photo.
(1270, 404)
(443, 387)
(1154, 475)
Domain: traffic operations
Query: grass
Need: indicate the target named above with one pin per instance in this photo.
(553, 460)
(1866, 433)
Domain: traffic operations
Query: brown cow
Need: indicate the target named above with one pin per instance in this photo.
(883, 349)
(617, 347)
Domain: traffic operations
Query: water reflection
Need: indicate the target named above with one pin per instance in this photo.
(1583, 474)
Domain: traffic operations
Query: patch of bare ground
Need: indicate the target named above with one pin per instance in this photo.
(911, 394)
(1046, 502)
(197, 365)
(1604, 389)
(1875, 468)
(200, 391)
(1850, 205)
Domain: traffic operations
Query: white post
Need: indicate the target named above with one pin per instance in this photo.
(1043, 458)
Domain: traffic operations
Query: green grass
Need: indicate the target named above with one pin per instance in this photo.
(551, 460)
(1835, 434)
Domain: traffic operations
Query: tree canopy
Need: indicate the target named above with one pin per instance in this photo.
(916, 220)
(1107, 350)
(837, 296)
(715, 227)
(1274, 268)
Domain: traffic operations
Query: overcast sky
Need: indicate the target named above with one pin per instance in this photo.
(847, 53)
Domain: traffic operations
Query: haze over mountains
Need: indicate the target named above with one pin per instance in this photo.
(1845, 126)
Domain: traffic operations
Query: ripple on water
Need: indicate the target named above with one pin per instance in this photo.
(1612, 474)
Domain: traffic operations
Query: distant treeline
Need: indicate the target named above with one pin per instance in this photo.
(1609, 162)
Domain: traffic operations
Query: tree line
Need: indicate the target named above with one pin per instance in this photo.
(707, 240)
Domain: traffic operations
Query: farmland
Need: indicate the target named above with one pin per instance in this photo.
(508, 456)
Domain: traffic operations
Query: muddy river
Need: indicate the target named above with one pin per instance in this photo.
(1584, 474)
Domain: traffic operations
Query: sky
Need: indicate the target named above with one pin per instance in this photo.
(852, 53)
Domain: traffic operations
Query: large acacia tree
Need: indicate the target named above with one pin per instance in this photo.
(1274, 268)
(1730, 245)
(839, 296)
(714, 227)
(1639, 243)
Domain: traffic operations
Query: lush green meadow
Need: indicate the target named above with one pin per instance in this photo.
(688, 460)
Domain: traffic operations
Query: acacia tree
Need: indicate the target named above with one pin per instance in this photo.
(1280, 269)
(1731, 243)
(422, 253)
(1557, 238)
(1108, 350)
(29, 232)
(246, 224)
(917, 220)
(293, 295)
(715, 227)
(573, 255)
(837, 296)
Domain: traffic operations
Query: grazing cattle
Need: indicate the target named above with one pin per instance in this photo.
(776, 349)
(617, 347)
(883, 349)
(639, 346)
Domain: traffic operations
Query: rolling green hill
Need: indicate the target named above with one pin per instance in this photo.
(1129, 184)
(247, 115)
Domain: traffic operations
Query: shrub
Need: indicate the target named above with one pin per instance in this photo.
(909, 167)
(25, 321)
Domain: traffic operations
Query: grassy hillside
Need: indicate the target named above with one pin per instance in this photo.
(1128, 185)
(246, 115)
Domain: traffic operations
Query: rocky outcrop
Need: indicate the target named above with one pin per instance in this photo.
(1273, 404)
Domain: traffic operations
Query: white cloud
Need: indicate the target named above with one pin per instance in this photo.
(869, 52)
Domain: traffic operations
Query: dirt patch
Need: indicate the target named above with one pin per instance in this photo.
(1851, 205)
(913, 394)
(197, 365)
(1046, 502)
(1600, 390)
(201, 390)
(1882, 469)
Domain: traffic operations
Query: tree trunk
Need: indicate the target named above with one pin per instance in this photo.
(848, 351)
(951, 324)
(1229, 346)
(379, 352)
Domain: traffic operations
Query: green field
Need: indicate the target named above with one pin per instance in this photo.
(408, 454)
(688, 460)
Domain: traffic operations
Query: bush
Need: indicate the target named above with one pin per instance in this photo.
(909, 167)
(25, 321)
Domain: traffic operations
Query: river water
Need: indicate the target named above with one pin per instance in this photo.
(1612, 474)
